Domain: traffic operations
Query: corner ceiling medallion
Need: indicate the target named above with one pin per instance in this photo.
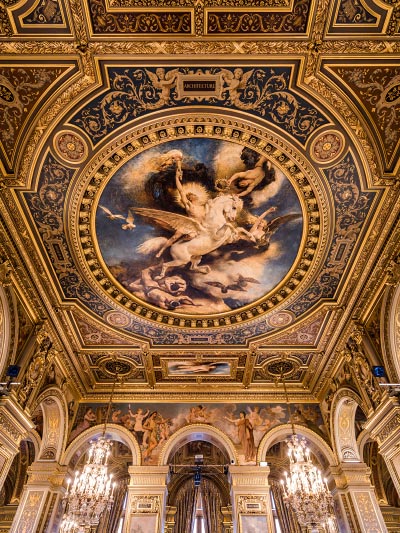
(143, 250)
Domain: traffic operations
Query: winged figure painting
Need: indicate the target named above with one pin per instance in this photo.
(196, 246)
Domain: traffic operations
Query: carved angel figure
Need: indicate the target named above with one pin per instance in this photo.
(164, 81)
(236, 82)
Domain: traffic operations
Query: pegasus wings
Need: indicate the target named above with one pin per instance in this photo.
(170, 221)
(276, 222)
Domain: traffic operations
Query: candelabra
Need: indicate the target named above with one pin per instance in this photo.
(92, 489)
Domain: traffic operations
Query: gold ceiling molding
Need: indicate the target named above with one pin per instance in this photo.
(91, 333)
(218, 47)
(188, 18)
(89, 185)
(202, 392)
(338, 354)
(336, 102)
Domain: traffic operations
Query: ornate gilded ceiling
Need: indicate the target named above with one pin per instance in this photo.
(196, 191)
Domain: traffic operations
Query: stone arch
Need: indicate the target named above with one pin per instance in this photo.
(198, 432)
(36, 440)
(319, 447)
(114, 432)
(5, 329)
(390, 326)
(363, 439)
(344, 407)
(55, 422)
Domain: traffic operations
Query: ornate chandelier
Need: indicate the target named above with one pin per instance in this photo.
(304, 489)
(92, 489)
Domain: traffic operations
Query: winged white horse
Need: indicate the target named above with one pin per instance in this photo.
(216, 229)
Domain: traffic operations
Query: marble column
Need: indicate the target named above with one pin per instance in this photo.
(251, 499)
(146, 502)
(357, 507)
(14, 427)
(40, 506)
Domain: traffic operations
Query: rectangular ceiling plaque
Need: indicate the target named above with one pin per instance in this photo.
(198, 86)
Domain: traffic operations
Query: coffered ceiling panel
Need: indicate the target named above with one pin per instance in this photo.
(374, 88)
(359, 17)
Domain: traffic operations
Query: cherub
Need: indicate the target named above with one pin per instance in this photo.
(255, 417)
(235, 82)
(260, 226)
(262, 230)
(164, 81)
(115, 416)
(167, 292)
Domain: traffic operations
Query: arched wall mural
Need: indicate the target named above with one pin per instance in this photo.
(153, 426)
(200, 432)
(317, 444)
(391, 328)
(113, 432)
(54, 432)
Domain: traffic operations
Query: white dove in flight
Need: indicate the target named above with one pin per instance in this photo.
(129, 222)
(110, 215)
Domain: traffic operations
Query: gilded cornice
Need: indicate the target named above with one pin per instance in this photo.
(380, 274)
(388, 355)
(232, 48)
(332, 97)
(202, 393)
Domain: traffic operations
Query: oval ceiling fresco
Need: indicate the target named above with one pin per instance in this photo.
(198, 226)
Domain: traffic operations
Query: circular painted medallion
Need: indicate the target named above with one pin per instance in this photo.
(117, 319)
(198, 226)
(119, 367)
(281, 319)
(71, 147)
(327, 147)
